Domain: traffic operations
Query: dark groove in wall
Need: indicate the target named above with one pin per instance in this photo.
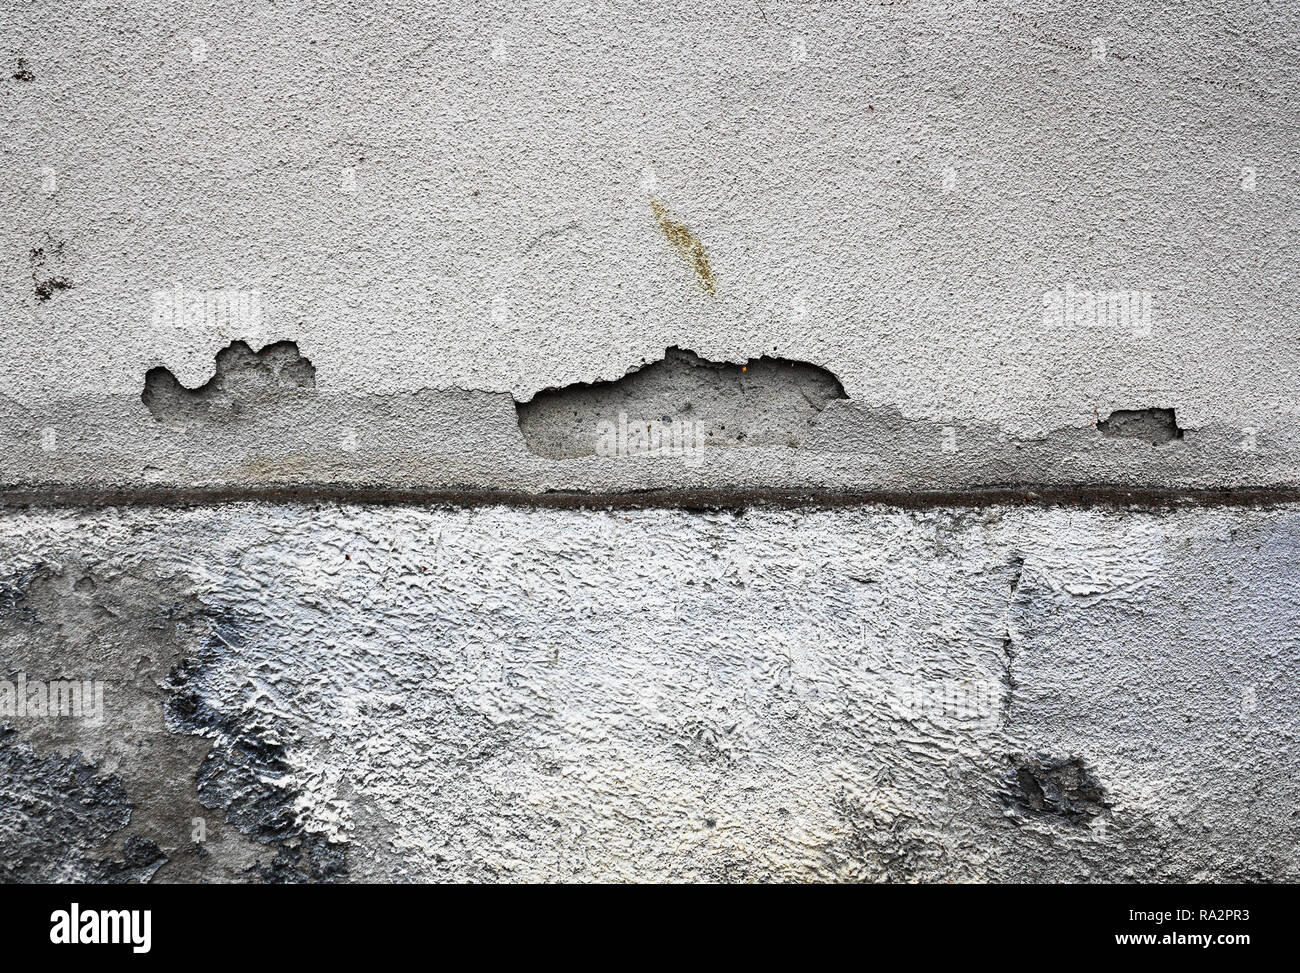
(717, 499)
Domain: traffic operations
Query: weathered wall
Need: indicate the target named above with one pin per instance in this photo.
(1023, 271)
(403, 693)
(447, 206)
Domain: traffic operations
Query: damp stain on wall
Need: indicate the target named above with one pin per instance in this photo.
(687, 244)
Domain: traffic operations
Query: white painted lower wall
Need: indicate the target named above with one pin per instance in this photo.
(502, 694)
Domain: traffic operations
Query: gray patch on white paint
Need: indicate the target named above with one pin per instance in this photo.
(245, 386)
(765, 402)
(470, 444)
(136, 631)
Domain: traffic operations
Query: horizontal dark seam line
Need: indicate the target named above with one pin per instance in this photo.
(722, 498)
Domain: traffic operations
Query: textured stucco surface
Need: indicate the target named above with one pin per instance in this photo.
(420, 694)
(456, 200)
(426, 251)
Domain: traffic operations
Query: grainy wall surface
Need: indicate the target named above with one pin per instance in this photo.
(983, 294)
(994, 224)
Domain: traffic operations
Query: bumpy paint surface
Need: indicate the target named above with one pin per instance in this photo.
(430, 694)
(1004, 220)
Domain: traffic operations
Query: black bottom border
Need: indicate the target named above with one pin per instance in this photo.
(228, 924)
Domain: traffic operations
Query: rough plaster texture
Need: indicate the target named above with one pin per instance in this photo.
(946, 252)
(509, 694)
(452, 207)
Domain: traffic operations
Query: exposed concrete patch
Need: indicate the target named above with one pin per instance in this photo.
(765, 402)
(1154, 426)
(1061, 786)
(245, 381)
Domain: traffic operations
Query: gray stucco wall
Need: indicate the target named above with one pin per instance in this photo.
(759, 440)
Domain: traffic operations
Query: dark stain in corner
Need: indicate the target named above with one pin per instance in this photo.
(686, 243)
(45, 283)
(1154, 426)
(57, 815)
(23, 72)
(195, 748)
(1053, 786)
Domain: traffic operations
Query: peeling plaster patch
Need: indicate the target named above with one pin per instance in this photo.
(685, 243)
(244, 381)
(1043, 785)
(1154, 426)
(765, 402)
